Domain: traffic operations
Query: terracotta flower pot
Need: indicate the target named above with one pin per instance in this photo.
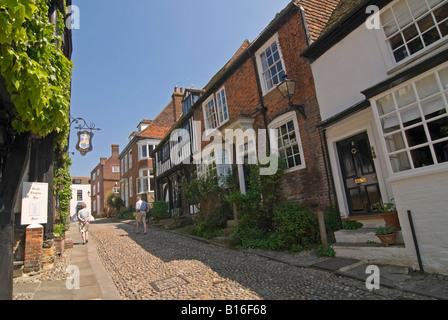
(391, 219)
(388, 239)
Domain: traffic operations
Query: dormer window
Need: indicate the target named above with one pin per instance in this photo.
(189, 101)
(413, 25)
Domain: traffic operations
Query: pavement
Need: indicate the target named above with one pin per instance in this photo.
(95, 283)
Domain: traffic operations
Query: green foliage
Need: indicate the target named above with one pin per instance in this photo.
(205, 230)
(160, 209)
(332, 219)
(384, 207)
(210, 194)
(352, 225)
(327, 252)
(126, 214)
(296, 226)
(62, 190)
(385, 230)
(37, 74)
(113, 201)
(59, 230)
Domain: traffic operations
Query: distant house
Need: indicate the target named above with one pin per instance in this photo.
(137, 170)
(81, 191)
(382, 86)
(105, 177)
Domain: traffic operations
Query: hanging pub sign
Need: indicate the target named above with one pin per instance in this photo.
(84, 144)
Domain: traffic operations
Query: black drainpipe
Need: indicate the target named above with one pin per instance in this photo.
(414, 236)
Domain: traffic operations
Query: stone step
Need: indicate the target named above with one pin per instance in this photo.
(362, 236)
(375, 253)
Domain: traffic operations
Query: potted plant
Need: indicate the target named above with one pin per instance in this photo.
(388, 212)
(387, 235)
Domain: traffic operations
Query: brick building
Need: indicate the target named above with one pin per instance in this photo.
(137, 171)
(105, 177)
(244, 95)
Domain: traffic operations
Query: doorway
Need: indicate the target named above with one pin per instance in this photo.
(358, 174)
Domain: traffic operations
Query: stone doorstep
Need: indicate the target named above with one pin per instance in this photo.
(363, 235)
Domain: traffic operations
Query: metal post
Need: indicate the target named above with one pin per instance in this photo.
(414, 236)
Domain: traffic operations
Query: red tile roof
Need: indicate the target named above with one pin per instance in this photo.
(318, 12)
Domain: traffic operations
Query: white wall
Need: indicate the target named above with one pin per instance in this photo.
(426, 196)
(351, 66)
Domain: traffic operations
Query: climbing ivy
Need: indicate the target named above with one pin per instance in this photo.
(37, 74)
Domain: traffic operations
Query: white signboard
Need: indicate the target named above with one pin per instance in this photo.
(34, 203)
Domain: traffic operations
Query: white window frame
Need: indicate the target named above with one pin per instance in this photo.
(413, 21)
(210, 115)
(393, 118)
(131, 191)
(218, 104)
(141, 179)
(130, 159)
(262, 73)
(284, 120)
(140, 150)
(116, 169)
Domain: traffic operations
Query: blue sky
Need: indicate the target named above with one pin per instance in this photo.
(129, 56)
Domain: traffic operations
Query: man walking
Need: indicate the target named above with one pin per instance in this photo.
(141, 207)
(84, 217)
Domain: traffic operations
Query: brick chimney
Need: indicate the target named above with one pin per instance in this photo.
(177, 98)
(115, 150)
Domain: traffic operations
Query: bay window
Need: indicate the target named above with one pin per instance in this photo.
(413, 120)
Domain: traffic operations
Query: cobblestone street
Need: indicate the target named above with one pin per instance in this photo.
(163, 265)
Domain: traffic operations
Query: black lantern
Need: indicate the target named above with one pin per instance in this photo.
(287, 89)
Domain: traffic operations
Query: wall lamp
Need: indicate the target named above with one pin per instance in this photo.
(287, 88)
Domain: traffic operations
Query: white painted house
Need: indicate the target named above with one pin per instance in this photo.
(80, 194)
(382, 86)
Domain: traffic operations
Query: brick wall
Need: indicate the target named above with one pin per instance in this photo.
(309, 185)
(33, 249)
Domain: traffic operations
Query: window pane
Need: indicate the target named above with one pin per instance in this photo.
(415, 45)
(395, 142)
(410, 33)
(433, 3)
(416, 136)
(441, 150)
(427, 86)
(443, 74)
(386, 104)
(405, 96)
(418, 7)
(422, 157)
(400, 162)
(426, 23)
(410, 116)
(402, 13)
(396, 41)
(441, 13)
(390, 123)
(431, 36)
(433, 107)
(438, 129)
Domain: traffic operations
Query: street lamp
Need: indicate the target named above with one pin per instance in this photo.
(287, 89)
